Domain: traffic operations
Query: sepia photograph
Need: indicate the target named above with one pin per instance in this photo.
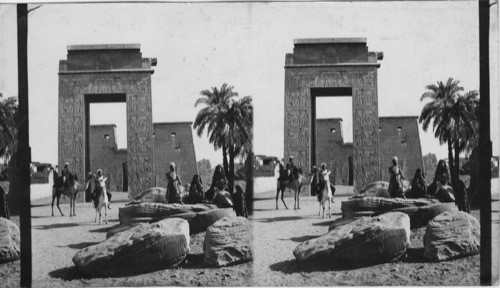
(249, 144)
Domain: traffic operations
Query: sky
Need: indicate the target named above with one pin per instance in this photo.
(201, 45)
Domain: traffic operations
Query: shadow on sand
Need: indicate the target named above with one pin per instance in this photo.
(81, 245)
(294, 266)
(57, 225)
(412, 255)
(101, 230)
(41, 217)
(278, 219)
(302, 238)
(67, 274)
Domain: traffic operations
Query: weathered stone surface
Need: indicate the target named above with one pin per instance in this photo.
(340, 222)
(451, 235)
(10, 241)
(365, 241)
(229, 241)
(138, 250)
(77, 89)
(379, 205)
(155, 195)
(120, 228)
(157, 211)
(223, 199)
(426, 213)
(203, 220)
(376, 189)
(303, 84)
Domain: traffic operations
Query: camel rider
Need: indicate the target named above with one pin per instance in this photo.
(290, 167)
(66, 175)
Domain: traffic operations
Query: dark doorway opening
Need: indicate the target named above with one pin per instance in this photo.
(332, 132)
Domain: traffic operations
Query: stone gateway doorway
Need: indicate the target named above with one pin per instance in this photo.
(107, 73)
(332, 66)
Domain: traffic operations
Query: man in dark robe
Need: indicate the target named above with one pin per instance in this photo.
(290, 167)
(66, 174)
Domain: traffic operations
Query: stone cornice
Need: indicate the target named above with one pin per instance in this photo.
(319, 65)
(114, 71)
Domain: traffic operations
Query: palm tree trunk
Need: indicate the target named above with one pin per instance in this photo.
(230, 178)
(456, 167)
(224, 161)
(249, 182)
(450, 158)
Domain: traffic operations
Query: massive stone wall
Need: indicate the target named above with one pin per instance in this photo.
(399, 137)
(167, 148)
(174, 143)
(331, 149)
(90, 71)
(105, 155)
(321, 67)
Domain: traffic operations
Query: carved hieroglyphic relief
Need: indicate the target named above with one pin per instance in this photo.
(137, 88)
(363, 80)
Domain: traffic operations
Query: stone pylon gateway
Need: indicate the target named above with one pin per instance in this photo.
(106, 73)
(332, 67)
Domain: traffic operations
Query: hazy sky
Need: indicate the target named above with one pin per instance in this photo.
(244, 44)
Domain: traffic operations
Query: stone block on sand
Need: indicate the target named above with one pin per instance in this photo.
(140, 249)
(158, 210)
(155, 194)
(376, 189)
(451, 235)
(365, 241)
(203, 220)
(426, 213)
(10, 241)
(229, 241)
(379, 205)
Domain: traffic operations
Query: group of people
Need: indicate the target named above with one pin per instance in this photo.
(319, 182)
(66, 179)
(420, 189)
(197, 193)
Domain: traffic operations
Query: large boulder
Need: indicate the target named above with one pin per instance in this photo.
(359, 205)
(203, 220)
(451, 235)
(10, 241)
(155, 211)
(365, 241)
(424, 214)
(228, 241)
(138, 250)
(122, 227)
(376, 189)
(155, 195)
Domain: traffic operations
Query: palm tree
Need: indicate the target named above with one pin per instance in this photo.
(212, 118)
(8, 127)
(455, 120)
(240, 128)
(438, 112)
(229, 124)
(464, 126)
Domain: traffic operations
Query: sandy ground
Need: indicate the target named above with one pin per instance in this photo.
(278, 232)
(10, 273)
(57, 239)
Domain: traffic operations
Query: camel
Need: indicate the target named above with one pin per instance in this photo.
(100, 197)
(295, 184)
(71, 191)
